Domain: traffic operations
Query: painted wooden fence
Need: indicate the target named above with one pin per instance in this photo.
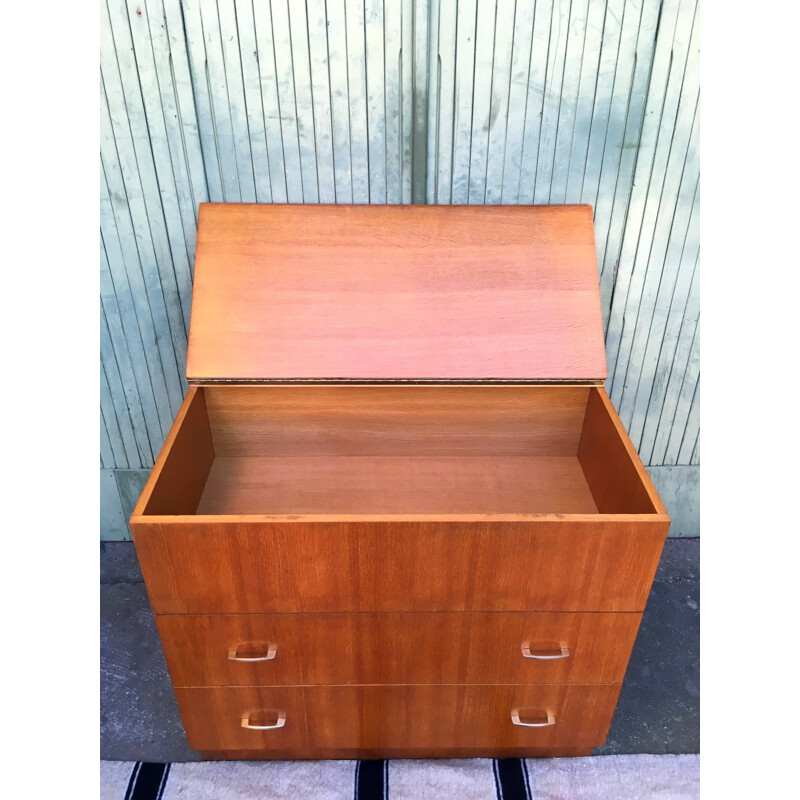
(399, 101)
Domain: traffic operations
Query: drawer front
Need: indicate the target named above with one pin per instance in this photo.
(304, 720)
(539, 565)
(391, 648)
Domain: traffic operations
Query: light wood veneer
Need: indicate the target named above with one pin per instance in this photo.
(395, 468)
(396, 648)
(393, 718)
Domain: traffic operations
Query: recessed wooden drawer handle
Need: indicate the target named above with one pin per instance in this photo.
(551, 720)
(272, 651)
(545, 655)
(279, 723)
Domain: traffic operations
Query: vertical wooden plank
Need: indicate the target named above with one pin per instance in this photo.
(556, 58)
(688, 400)
(433, 89)
(466, 24)
(440, 169)
(236, 17)
(179, 121)
(534, 104)
(627, 108)
(284, 166)
(691, 430)
(568, 100)
(123, 416)
(517, 103)
(304, 100)
(682, 254)
(505, 44)
(596, 15)
(481, 101)
(393, 76)
(655, 303)
(167, 180)
(223, 33)
(618, 13)
(662, 134)
(301, 179)
(189, 11)
(357, 77)
(185, 108)
(321, 95)
(419, 88)
(124, 131)
(235, 182)
(106, 453)
(340, 100)
(406, 98)
(695, 459)
(147, 391)
(683, 372)
(112, 452)
(132, 260)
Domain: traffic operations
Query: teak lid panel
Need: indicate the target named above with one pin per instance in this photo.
(387, 293)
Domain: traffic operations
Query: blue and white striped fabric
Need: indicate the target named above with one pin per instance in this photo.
(637, 777)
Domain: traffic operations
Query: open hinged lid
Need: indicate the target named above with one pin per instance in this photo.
(396, 293)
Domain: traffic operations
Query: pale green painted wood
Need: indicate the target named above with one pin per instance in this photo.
(587, 97)
(260, 17)
(134, 150)
(619, 26)
(679, 488)
(113, 523)
(662, 152)
(321, 96)
(375, 101)
(130, 483)
(464, 55)
(481, 111)
(196, 55)
(157, 94)
(631, 89)
(568, 101)
(518, 88)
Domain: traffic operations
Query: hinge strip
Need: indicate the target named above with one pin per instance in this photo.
(399, 381)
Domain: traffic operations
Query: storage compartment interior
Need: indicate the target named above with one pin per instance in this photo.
(418, 450)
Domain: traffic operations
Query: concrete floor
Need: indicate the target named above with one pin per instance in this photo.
(658, 709)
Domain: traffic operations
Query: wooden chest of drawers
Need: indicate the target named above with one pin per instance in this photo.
(397, 514)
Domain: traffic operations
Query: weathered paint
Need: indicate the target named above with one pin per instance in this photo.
(113, 522)
(478, 101)
(679, 488)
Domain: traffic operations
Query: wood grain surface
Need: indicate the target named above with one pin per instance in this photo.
(423, 718)
(198, 565)
(176, 482)
(390, 485)
(408, 420)
(395, 292)
(416, 648)
(613, 469)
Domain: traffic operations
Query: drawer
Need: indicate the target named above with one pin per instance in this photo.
(391, 648)
(398, 498)
(414, 720)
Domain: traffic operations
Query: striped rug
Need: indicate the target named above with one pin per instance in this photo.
(641, 777)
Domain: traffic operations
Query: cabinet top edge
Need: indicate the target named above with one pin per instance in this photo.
(208, 519)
